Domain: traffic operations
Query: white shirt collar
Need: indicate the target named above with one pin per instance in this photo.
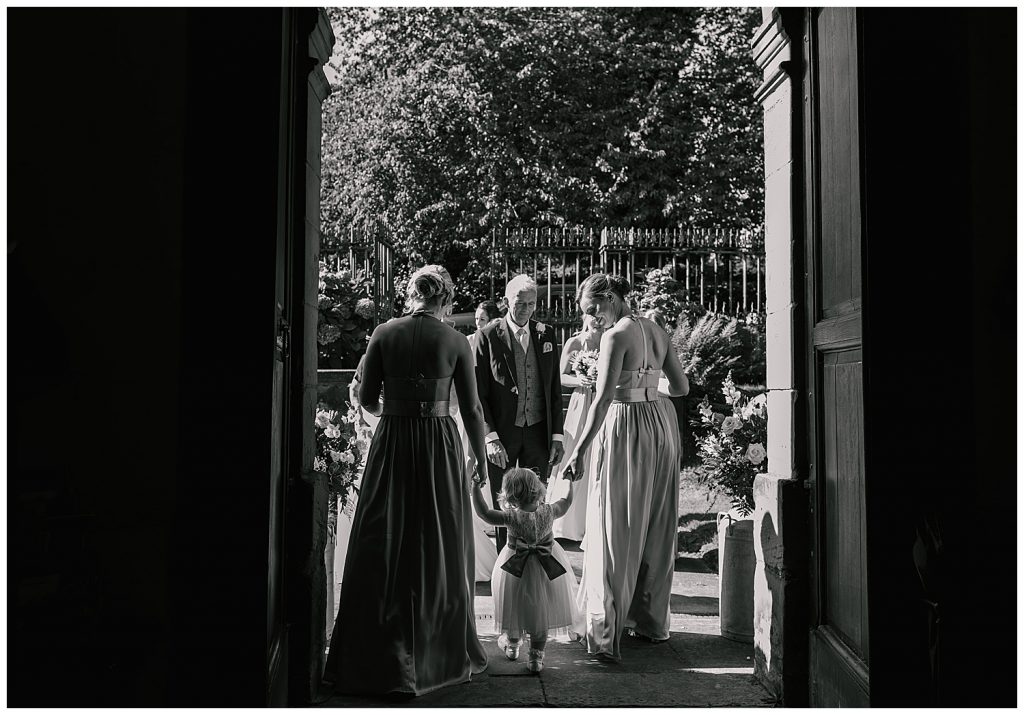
(514, 329)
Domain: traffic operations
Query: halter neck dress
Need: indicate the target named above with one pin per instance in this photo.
(406, 622)
(632, 514)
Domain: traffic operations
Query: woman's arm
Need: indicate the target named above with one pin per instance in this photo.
(567, 376)
(678, 384)
(609, 366)
(373, 377)
(469, 402)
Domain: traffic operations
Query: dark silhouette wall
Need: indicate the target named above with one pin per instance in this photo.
(143, 152)
(939, 89)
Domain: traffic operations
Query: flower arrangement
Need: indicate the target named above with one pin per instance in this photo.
(732, 451)
(584, 363)
(342, 441)
(346, 315)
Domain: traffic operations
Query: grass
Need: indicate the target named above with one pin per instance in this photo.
(698, 514)
(695, 501)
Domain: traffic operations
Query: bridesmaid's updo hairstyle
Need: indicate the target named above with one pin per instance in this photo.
(429, 287)
(603, 285)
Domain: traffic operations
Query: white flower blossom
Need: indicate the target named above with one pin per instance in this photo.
(731, 424)
(365, 308)
(756, 453)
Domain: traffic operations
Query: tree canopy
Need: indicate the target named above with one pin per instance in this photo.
(446, 122)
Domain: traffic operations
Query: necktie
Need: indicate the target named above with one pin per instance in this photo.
(521, 337)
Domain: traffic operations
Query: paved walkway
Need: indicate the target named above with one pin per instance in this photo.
(695, 668)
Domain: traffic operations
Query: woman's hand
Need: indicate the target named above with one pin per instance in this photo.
(587, 381)
(477, 479)
(573, 468)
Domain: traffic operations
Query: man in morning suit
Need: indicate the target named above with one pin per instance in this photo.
(520, 390)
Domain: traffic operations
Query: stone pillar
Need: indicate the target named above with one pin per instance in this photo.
(780, 517)
(309, 49)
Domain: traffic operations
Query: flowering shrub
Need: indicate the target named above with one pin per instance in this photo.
(753, 368)
(584, 363)
(732, 451)
(709, 348)
(346, 316)
(662, 292)
(342, 441)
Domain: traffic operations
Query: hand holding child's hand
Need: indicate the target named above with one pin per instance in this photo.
(568, 474)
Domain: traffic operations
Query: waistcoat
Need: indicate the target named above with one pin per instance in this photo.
(530, 407)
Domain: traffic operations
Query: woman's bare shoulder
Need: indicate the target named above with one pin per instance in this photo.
(574, 342)
(618, 332)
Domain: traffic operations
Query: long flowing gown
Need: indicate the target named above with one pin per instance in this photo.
(405, 620)
(632, 515)
(573, 525)
(486, 553)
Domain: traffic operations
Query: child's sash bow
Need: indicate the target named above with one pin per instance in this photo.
(542, 551)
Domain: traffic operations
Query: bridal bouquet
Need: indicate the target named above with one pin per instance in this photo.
(732, 453)
(584, 363)
(342, 441)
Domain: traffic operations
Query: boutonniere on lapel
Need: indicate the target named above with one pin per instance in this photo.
(541, 329)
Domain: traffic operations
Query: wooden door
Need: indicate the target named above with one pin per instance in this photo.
(277, 645)
(839, 664)
(277, 616)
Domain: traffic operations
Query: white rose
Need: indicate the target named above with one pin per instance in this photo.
(336, 456)
(348, 458)
(730, 424)
(332, 432)
(756, 453)
(541, 328)
(322, 420)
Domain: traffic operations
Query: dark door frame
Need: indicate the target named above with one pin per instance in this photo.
(309, 41)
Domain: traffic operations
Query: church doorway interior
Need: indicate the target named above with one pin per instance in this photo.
(697, 667)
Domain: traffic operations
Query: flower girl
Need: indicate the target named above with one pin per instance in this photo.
(533, 586)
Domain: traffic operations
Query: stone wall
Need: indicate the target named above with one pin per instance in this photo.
(780, 579)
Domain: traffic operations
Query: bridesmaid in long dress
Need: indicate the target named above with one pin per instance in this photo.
(634, 463)
(573, 525)
(483, 545)
(486, 553)
(405, 621)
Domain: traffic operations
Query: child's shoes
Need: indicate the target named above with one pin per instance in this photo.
(509, 648)
(536, 663)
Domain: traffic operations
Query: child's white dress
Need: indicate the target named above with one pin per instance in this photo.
(534, 602)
